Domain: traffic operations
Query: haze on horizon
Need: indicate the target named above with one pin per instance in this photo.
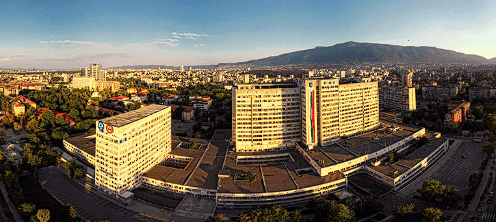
(58, 34)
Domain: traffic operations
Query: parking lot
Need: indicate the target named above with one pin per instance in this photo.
(465, 161)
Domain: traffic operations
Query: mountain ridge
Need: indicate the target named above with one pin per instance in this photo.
(367, 52)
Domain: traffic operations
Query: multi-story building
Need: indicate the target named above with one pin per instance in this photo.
(439, 93)
(94, 70)
(18, 109)
(458, 112)
(266, 116)
(130, 144)
(475, 93)
(397, 98)
(84, 72)
(331, 109)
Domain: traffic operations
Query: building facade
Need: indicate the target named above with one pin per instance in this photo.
(397, 98)
(331, 110)
(438, 93)
(94, 70)
(266, 116)
(130, 144)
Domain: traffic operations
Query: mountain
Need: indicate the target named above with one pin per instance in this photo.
(371, 52)
(144, 67)
(493, 60)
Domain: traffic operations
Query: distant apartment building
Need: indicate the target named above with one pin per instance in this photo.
(129, 144)
(266, 116)
(477, 93)
(94, 71)
(84, 72)
(331, 109)
(18, 109)
(188, 113)
(397, 98)
(439, 93)
(202, 103)
(458, 112)
(94, 85)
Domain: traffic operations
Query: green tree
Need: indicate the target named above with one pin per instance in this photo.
(32, 125)
(26, 209)
(432, 214)
(60, 121)
(72, 211)
(332, 211)
(479, 112)
(10, 178)
(432, 189)
(47, 119)
(405, 212)
(267, 214)
(218, 218)
(43, 215)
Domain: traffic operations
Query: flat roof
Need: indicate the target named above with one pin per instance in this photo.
(392, 171)
(82, 143)
(425, 150)
(132, 116)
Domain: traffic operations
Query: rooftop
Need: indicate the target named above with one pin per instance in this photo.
(132, 116)
(83, 143)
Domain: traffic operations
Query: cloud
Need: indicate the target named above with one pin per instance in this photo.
(52, 41)
(177, 37)
(150, 44)
(44, 42)
(174, 33)
(85, 44)
(59, 41)
(160, 43)
(172, 40)
(5, 59)
(190, 34)
(200, 45)
(190, 37)
(133, 45)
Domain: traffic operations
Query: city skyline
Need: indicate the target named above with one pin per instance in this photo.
(63, 35)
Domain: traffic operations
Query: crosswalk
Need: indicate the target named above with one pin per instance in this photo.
(489, 216)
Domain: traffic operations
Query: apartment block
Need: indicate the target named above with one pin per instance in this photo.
(331, 109)
(266, 116)
(397, 98)
(129, 144)
(439, 93)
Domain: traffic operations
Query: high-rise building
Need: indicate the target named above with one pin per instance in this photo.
(129, 144)
(84, 72)
(331, 109)
(266, 116)
(182, 68)
(102, 76)
(407, 80)
(94, 71)
(397, 98)
(246, 78)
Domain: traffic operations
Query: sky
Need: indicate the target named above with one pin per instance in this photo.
(60, 34)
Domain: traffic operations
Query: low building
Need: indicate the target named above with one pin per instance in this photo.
(390, 117)
(82, 147)
(458, 112)
(188, 113)
(18, 109)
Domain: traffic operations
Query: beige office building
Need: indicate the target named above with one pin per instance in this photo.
(129, 144)
(331, 109)
(266, 116)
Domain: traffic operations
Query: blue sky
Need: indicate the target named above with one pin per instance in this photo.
(71, 34)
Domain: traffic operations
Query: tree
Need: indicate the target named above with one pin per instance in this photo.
(72, 211)
(267, 214)
(332, 211)
(60, 121)
(218, 218)
(43, 215)
(432, 189)
(432, 214)
(26, 209)
(479, 112)
(32, 125)
(405, 212)
(17, 127)
(47, 119)
(10, 178)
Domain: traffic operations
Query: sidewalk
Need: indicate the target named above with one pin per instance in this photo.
(12, 208)
(482, 186)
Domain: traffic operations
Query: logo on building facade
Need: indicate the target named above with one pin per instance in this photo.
(100, 126)
(110, 129)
